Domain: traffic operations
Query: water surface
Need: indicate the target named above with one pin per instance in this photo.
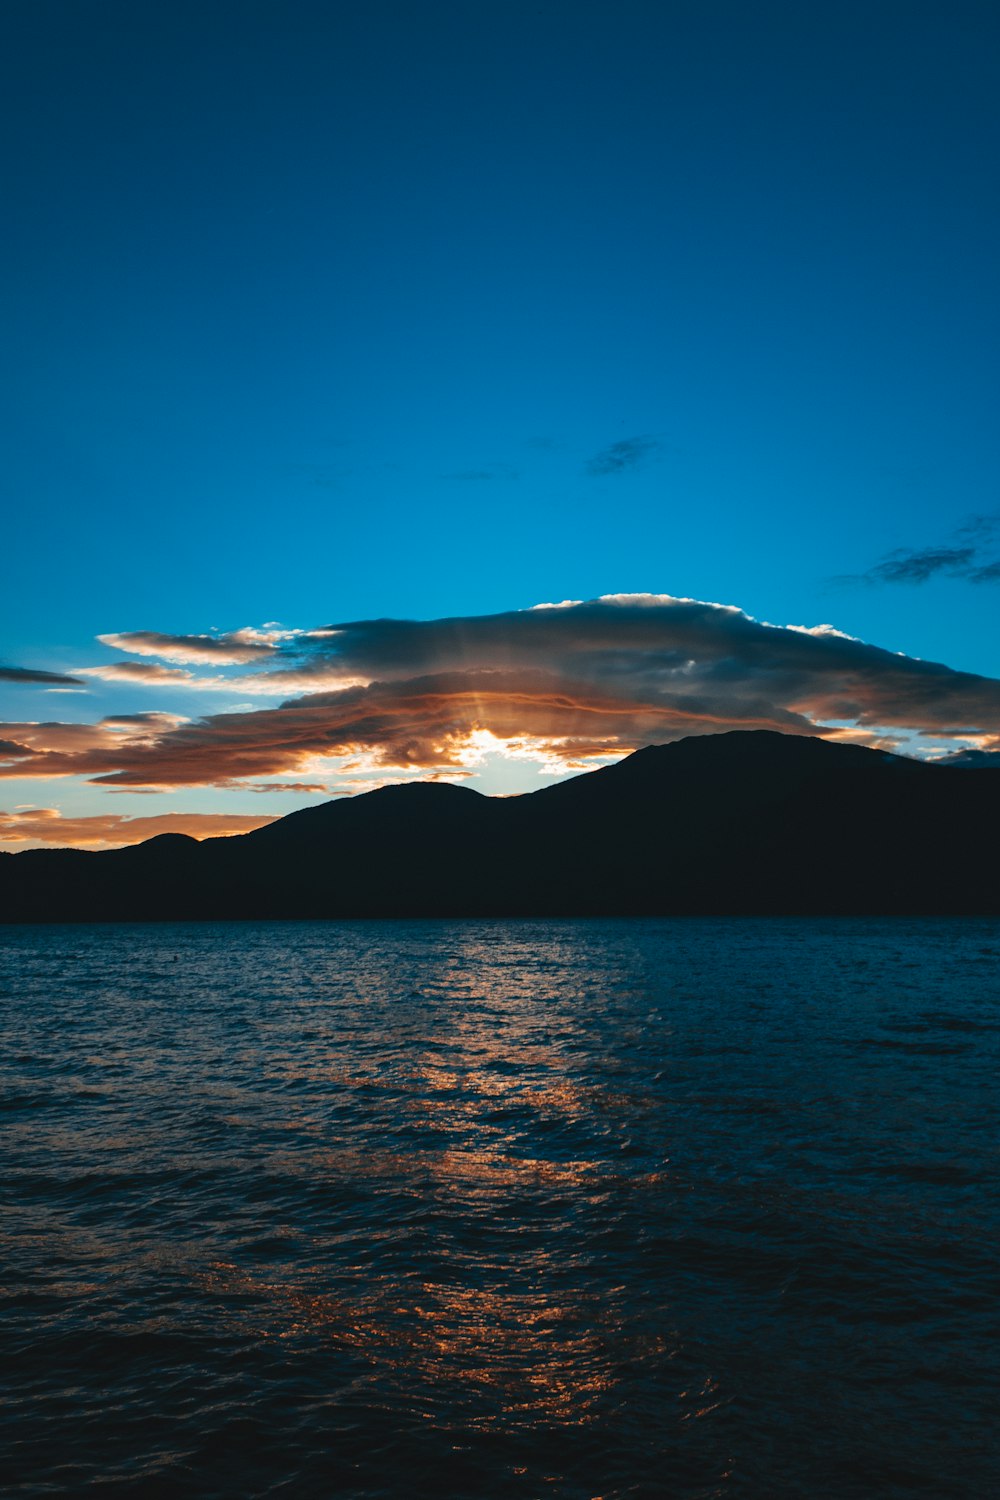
(691, 1208)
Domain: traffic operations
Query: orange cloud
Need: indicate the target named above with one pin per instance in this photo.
(564, 686)
(46, 825)
(140, 671)
(284, 786)
(428, 722)
(33, 742)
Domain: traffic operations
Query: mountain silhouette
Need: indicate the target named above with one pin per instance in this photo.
(739, 822)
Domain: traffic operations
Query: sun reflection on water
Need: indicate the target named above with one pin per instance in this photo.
(484, 1068)
(508, 1209)
(524, 1355)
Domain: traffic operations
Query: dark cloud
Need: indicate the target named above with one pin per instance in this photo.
(972, 759)
(556, 683)
(46, 679)
(628, 453)
(918, 564)
(979, 528)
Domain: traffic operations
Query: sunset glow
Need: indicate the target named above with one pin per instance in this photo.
(500, 749)
(497, 700)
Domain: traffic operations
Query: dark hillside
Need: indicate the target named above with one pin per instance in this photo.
(738, 822)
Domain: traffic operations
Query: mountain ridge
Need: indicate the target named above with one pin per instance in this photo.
(744, 821)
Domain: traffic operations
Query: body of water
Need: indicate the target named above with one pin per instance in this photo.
(680, 1208)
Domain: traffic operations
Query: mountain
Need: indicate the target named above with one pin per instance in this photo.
(741, 822)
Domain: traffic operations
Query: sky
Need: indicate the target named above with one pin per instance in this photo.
(325, 322)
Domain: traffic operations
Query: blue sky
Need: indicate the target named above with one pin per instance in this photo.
(318, 313)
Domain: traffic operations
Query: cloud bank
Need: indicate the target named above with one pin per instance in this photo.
(564, 687)
(46, 825)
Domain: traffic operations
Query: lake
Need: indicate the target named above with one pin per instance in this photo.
(672, 1208)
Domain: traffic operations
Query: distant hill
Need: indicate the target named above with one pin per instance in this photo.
(744, 822)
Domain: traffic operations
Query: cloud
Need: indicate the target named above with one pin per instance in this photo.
(145, 671)
(277, 683)
(564, 687)
(270, 644)
(916, 566)
(980, 528)
(972, 759)
(285, 786)
(46, 825)
(29, 675)
(628, 453)
(229, 649)
(136, 723)
(919, 564)
(38, 742)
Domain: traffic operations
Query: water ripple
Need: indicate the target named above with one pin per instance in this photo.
(697, 1209)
